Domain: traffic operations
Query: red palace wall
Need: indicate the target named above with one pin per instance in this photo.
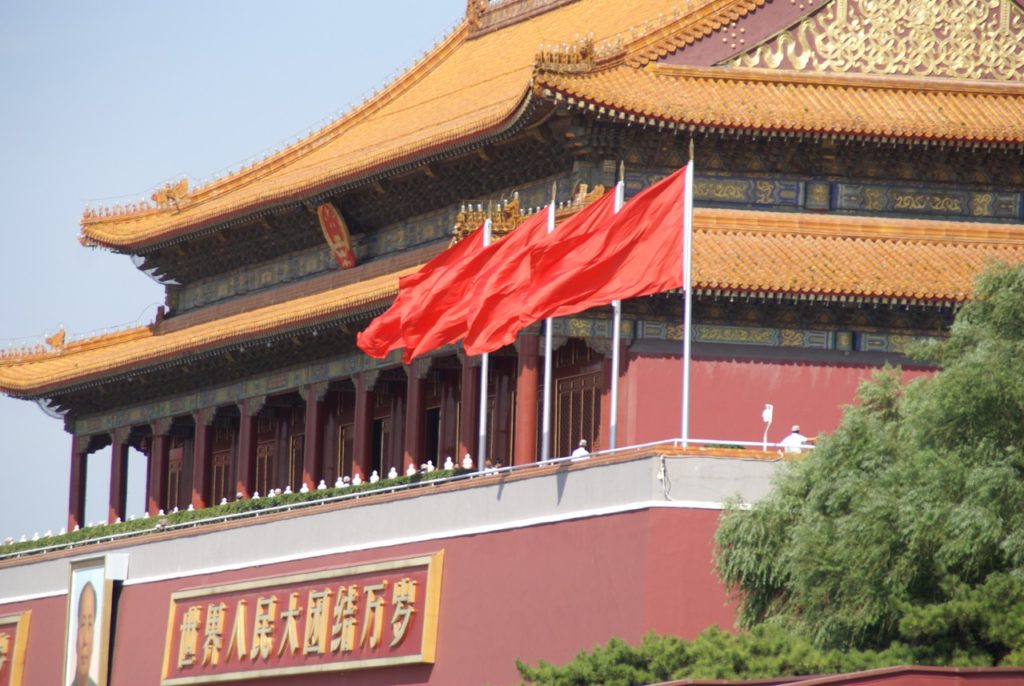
(541, 592)
(727, 397)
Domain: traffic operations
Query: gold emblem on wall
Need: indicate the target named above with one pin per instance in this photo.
(958, 38)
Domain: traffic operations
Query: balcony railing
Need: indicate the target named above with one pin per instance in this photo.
(251, 508)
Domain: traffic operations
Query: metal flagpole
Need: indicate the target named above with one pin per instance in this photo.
(545, 433)
(484, 364)
(687, 278)
(613, 439)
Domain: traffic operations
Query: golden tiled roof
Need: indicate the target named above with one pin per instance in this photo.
(466, 87)
(800, 102)
(734, 251)
(840, 256)
(81, 361)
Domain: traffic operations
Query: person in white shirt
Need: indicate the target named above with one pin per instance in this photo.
(795, 442)
(581, 451)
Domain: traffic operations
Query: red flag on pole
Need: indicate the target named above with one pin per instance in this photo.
(499, 293)
(385, 333)
(450, 316)
(637, 252)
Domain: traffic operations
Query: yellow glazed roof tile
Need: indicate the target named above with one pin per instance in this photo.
(465, 87)
(81, 361)
(872, 258)
(734, 250)
(802, 102)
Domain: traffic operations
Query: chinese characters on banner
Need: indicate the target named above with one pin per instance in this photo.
(13, 639)
(369, 615)
(336, 233)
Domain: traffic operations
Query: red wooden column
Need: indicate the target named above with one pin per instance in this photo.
(362, 443)
(76, 490)
(201, 455)
(527, 397)
(245, 458)
(312, 452)
(159, 450)
(118, 475)
(414, 418)
(469, 410)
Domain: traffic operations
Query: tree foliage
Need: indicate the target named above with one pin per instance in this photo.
(899, 540)
(907, 523)
(765, 651)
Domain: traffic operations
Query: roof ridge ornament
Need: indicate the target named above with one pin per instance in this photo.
(508, 214)
(576, 57)
(505, 216)
(475, 10)
(171, 194)
(485, 16)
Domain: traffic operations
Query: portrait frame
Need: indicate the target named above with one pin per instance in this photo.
(81, 572)
(14, 633)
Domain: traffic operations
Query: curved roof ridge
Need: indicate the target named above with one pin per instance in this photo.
(402, 123)
(289, 154)
(40, 352)
(38, 373)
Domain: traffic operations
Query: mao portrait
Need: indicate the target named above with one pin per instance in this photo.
(87, 625)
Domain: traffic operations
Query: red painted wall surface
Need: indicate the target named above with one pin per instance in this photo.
(728, 395)
(543, 592)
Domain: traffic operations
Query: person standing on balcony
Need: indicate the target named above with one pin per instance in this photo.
(795, 442)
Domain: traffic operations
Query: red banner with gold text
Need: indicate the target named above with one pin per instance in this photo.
(369, 615)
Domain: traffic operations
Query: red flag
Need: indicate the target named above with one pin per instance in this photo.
(451, 314)
(638, 252)
(499, 294)
(384, 333)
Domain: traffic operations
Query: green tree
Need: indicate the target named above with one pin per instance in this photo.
(907, 523)
(765, 651)
(899, 540)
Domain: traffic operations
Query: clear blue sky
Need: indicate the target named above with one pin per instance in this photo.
(101, 102)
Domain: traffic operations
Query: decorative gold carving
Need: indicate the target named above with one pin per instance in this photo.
(730, 334)
(581, 197)
(981, 204)
(959, 38)
(792, 338)
(171, 194)
(925, 201)
(504, 217)
(818, 195)
(475, 10)
(508, 215)
(763, 189)
(56, 340)
(580, 328)
(721, 190)
(572, 58)
(874, 199)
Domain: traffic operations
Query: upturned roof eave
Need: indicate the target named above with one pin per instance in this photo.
(506, 125)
